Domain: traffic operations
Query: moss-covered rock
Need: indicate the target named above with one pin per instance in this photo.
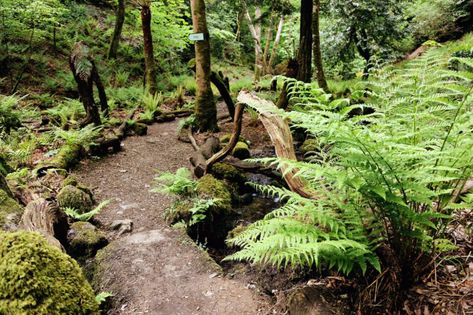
(37, 278)
(226, 138)
(10, 211)
(85, 240)
(228, 172)
(241, 151)
(70, 180)
(74, 197)
(208, 187)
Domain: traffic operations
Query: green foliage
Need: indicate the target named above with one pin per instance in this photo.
(180, 183)
(103, 296)
(84, 137)
(37, 278)
(76, 215)
(385, 178)
(151, 104)
(9, 116)
(69, 111)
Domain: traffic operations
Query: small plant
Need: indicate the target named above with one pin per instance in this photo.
(180, 183)
(9, 116)
(84, 137)
(151, 104)
(121, 78)
(73, 213)
(102, 297)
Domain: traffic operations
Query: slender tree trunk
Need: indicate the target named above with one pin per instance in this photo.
(150, 71)
(269, 38)
(117, 32)
(275, 45)
(304, 57)
(317, 50)
(4, 185)
(364, 51)
(255, 32)
(205, 108)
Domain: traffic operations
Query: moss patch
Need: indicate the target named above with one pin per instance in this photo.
(37, 278)
(228, 172)
(74, 197)
(10, 210)
(85, 239)
(208, 187)
(241, 151)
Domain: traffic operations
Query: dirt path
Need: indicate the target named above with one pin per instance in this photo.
(156, 269)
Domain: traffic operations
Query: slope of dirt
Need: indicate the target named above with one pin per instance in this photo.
(156, 269)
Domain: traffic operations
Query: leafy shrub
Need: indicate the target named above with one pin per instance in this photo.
(9, 117)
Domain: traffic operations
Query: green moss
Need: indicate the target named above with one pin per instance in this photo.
(309, 145)
(85, 239)
(9, 208)
(37, 278)
(228, 172)
(74, 197)
(70, 180)
(179, 211)
(241, 151)
(208, 187)
(226, 138)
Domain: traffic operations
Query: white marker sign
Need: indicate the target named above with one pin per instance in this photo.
(197, 37)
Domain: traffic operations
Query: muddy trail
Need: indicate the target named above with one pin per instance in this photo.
(156, 269)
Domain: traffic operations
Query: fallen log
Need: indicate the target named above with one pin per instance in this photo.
(43, 216)
(281, 137)
(205, 151)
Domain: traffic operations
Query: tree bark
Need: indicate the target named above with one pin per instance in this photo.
(150, 71)
(117, 32)
(276, 45)
(317, 50)
(269, 38)
(86, 74)
(304, 57)
(223, 87)
(255, 32)
(4, 185)
(205, 108)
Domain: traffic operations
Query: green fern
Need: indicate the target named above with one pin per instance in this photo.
(180, 183)
(73, 213)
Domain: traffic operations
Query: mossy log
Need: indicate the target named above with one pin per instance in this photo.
(44, 217)
(280, 134)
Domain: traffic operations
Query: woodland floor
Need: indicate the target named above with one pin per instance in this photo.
(156, 269)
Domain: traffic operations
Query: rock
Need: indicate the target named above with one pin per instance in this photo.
(85, 240)
(241, 151)
(37, 278)
(228, 172)
(74, 197)
(122, 226)
(10, 212)
(310, 301)
(208, 187)
(139, 129)
(225, 139)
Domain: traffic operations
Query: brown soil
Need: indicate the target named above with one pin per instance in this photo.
(156, 269)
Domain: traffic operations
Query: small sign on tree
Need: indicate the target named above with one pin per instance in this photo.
(196, 37)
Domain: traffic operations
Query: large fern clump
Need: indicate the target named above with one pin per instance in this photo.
(389, 179)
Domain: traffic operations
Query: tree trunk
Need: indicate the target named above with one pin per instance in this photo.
(205, 108)
(4, 185)
(304, 57)
(117, 32)
(274, 51)
(269, 38)
(364, 51)
(223, 86)
(317, 50)
(255, 32)
(150, 71)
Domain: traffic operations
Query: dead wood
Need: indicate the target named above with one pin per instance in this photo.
(281, 137)
(237, 122)
(222, 83)
(42, 216)
(205, 151)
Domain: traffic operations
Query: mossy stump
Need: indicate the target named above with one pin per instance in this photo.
(241, 151)
(76, 198)
(37, 278)
(10, 212)
(85, 240)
